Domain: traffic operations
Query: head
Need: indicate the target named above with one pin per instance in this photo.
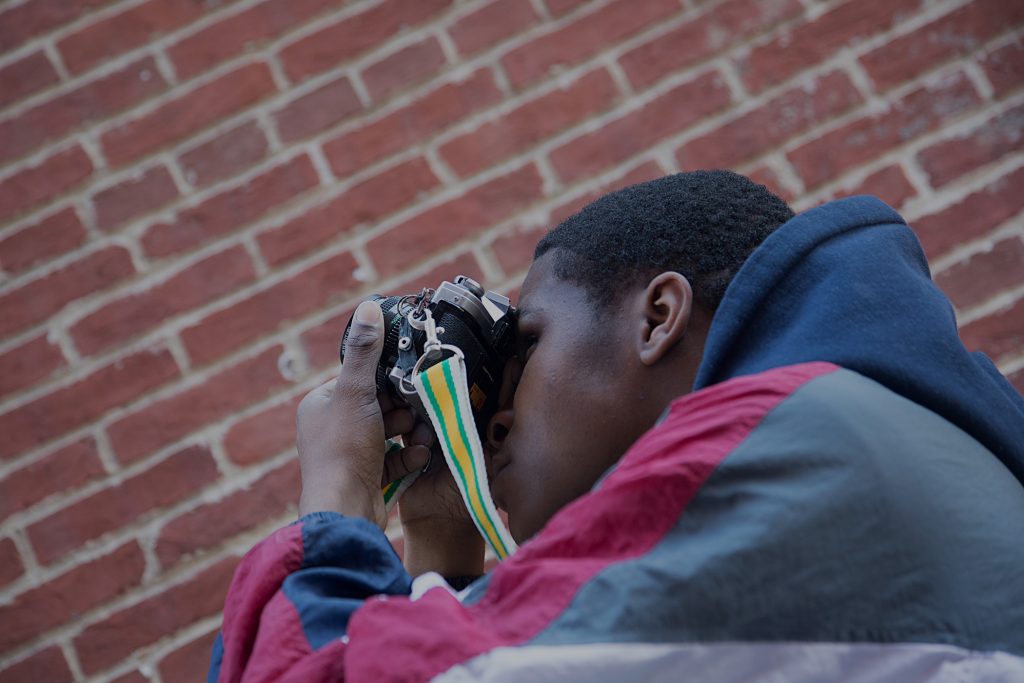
(614, 313)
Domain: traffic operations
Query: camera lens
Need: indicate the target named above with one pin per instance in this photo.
(392, 323)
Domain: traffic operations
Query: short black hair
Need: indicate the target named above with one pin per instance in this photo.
(701, 224)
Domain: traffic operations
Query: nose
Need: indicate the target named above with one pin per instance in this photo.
(498, 428)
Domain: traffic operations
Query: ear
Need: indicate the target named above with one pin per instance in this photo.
(667, 303)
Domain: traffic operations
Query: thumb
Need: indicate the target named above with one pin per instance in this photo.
(362, 351)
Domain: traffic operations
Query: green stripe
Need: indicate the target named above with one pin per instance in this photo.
(389, 490)
(444, 433)
(472, 459)
(431, 394)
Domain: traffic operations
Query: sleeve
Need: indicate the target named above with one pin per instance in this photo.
(288, 607)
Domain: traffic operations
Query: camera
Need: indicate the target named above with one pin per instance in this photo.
(478, 324)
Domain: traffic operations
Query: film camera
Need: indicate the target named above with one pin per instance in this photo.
(458, 317)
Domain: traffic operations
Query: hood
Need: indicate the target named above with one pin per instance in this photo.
(847, 282)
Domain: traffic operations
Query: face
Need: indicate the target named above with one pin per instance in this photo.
(570, 417)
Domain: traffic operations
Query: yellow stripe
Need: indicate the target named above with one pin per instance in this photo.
(461, 453)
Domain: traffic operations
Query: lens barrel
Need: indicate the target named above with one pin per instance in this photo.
(392, 323)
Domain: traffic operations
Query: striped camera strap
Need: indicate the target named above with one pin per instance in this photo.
(444, 390)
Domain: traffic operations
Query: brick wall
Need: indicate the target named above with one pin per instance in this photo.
(194, 194)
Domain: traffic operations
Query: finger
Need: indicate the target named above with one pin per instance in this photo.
(421, 435)
(317, 395)
(362, 352)
(404, 461)
(398, 421)
(386, 401)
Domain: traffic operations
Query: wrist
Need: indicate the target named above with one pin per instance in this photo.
(345, 497)
(447, 551)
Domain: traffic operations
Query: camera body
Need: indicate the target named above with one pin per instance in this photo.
(480, 323)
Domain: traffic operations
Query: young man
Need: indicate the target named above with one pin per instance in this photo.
(740, 443)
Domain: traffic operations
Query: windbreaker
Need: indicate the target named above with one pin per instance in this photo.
(839, 498)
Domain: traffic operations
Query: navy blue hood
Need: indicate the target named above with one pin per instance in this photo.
(848, 283)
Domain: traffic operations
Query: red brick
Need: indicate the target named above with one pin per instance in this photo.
(491, 24)
(63, 470)
(763, 129)
(169, 419)
(530, 123)
(948, 160)
(889, 184)
(212, 524)
(560, 7)
(322, 341)
(238, 33)
(64, 598)
(41, 241)
(365, 203)
(26, 364)
(398, 543)
(230, 210)
(647, 170)
(997, 334)
(829, 156)
(266, 311)
(188, 114)
(960, 32)
(265, 434)
(1017, 380)
(411, 125)
(765, 175)
(39, 299)
(318, 110)
(46, 665)
(43, 182)
(170, 481)
(124, 31)
(103, 644)
(138, 195)
(226, 155)
(35, 17)
(27, 75)
(514, 247)
(10, 562)
(125, 318)
(133, 677)
(1005, 68)
(409, 65)
(73, 110)
(973, 216)
(641, 128)
(701, 38)
(84, 401)
(584, 38)
(460, 264)
(983, 275)
(190, 662)
(350, 37)
(444, 225)
(812, 42)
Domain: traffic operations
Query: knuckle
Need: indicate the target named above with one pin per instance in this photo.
(361, 338)
(306, 404)
(359, 392)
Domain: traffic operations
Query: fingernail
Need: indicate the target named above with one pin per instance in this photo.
(368, 313)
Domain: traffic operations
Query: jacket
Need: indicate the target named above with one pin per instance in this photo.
(840, 497)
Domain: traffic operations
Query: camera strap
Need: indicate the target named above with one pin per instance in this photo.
(393, 491)
(444, 390)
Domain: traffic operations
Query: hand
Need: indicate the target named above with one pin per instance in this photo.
(342, 429)
(439, 534)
